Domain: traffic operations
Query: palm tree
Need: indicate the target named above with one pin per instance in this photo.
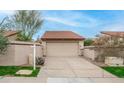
(26, 22)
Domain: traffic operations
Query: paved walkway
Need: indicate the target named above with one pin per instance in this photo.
(67, 70)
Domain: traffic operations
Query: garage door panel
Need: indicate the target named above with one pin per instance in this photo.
(62, 49)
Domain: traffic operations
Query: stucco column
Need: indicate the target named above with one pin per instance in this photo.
(81, 46)
(44, 47)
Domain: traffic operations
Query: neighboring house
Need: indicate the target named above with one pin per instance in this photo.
(11, 35)
(61, 43)
(114, 34)
(117, 36)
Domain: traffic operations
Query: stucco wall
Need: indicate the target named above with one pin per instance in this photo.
(89, 53)
(114, 61)
(99, 54)
(8, 58)
(18, 53)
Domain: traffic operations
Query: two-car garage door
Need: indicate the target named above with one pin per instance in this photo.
(62, 49)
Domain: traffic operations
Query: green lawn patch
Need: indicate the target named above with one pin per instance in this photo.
(118, 71)
(11, 70)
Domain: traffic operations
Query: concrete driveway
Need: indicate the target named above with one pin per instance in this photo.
(67, 70)
(71, 67)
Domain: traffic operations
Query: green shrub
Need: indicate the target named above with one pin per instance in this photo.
(3, 44)
(88, 42)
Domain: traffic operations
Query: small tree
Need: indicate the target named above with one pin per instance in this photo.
(3, 40)
(27, 23)
(3, 44)
(3, 25)
(88, 42)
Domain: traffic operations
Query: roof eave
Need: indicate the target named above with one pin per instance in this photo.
(62, 39)
(11, 34)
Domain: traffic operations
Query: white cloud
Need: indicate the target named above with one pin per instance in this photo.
(63, 21)
(87, 21)
(72, 18)
(117, 26)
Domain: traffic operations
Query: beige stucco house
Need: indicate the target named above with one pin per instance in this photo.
(114, 36)
(113, 33)
(11, 35)
(61, 43)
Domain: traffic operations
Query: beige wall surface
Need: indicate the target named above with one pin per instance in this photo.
(114, 61)
(89, 53)
(8, 58)
(22, 53)
(19, 54)
(99, 53)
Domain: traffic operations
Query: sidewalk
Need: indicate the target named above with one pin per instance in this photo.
(59, 80)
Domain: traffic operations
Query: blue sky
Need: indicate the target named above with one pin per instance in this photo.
(87, 23)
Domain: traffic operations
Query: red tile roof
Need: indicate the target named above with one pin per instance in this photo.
(115, 34)
(61, 35)
(9, 33)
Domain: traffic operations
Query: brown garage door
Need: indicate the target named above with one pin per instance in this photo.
(62, 49)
